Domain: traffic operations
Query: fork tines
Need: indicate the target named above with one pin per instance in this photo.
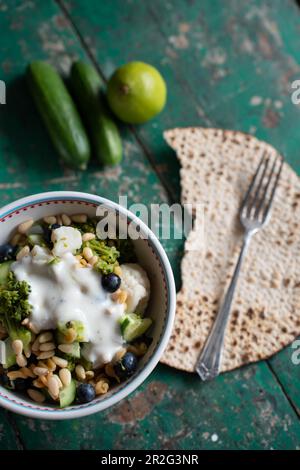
(259, 197)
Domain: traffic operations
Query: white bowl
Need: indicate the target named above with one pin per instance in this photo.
(151, 256)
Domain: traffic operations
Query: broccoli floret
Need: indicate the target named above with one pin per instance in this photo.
(14, 299)
(14, 307)
(108, 255)
(87, 227)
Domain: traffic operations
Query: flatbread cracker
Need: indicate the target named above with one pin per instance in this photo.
(216, 169)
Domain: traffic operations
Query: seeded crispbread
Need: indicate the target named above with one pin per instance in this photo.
(216, 169)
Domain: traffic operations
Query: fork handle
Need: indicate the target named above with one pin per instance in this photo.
(208, 364)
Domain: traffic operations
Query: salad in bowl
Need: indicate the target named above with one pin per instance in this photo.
(74, 321)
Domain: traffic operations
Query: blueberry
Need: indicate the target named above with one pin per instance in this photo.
(55, 226)
(126, 366)
(111, 282)
(47, 234)
(85, 393)
(21, 384)
(7, 251)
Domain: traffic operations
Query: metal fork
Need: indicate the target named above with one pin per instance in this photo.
(254, 214)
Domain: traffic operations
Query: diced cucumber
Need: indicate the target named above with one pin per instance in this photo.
(4, 271)
(7, 355)
(133, 326)
(36, 239)
(67, 394)
(78, 326)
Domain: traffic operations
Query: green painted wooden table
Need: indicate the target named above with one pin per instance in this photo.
(227, 64)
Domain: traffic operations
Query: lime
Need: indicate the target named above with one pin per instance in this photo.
(136, 92)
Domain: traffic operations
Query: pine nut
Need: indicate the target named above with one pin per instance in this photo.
(138, 350)
(87, 253)
(17, 346)
(65, 348)
(70, 335)
(66, 220)
(51, 365)
(53, 386)
(59, 220)
(59, 361)
(52, 396)
(16, 374)
(36, 345)
(80, 372)
(86, 237)
(44, 380)
(93, 260)
(110, 372)
(60, 385)
(40, 371)
(28, 353)
(35, 395)
(46, 354)
(21, 360)
(47, 346)
(101, 387)
(33, 328)
(50, 220)
(90, 374)
(27, 372)
(38, 384)
(45, 337)
(41, 364)
(83, 263)
(79, 218)
(22, 228)
(65, 376)
(15, 239)
(25, 321)
(23, 252)
(118, 271)
(120, 296)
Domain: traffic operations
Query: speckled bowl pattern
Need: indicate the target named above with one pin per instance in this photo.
(151, 256)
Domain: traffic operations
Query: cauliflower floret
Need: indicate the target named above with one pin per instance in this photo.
(65, 240)
(135, 282)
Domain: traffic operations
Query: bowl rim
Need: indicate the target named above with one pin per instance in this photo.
(141, 376)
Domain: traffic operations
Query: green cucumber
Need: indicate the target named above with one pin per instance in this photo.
(75, 350)
(87, 89)
(4, 271)
(59, 114)
(36, 239)
(7, 354)
(67, 394)
(133, 326)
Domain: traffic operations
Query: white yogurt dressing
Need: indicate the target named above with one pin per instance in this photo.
(63, 292)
